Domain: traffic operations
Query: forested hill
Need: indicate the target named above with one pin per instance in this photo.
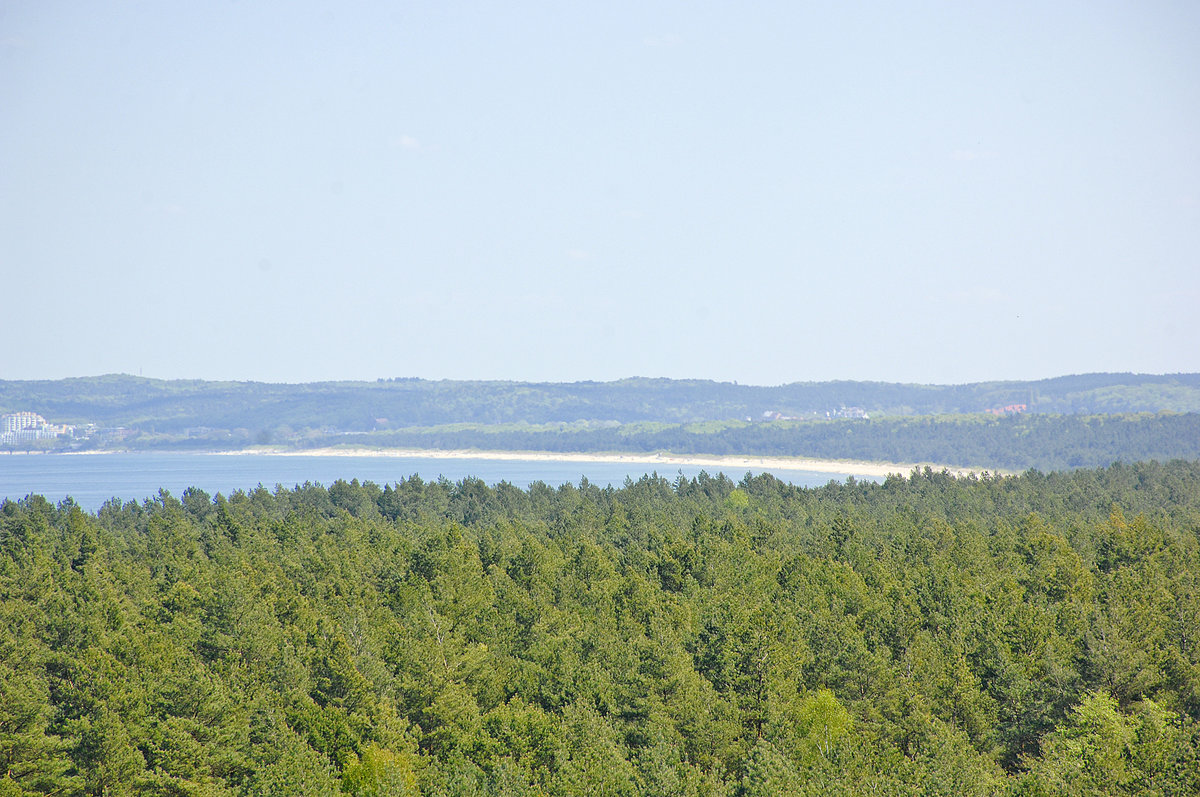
(171, 407)
(1032, 635)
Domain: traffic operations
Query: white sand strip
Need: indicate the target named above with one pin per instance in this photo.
(729, 464)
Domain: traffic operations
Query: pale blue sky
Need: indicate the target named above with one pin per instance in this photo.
(761, 192)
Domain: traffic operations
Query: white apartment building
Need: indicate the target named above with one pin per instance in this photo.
(25, 427)
(19, 421)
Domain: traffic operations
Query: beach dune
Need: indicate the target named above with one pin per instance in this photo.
(729, 464)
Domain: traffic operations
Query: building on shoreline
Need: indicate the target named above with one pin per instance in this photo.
(27, 427)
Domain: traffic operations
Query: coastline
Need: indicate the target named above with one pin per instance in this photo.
(731, 463)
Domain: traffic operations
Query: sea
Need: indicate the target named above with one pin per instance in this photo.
(90, 480)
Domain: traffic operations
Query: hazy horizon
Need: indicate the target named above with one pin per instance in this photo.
(777, 193)
(740, 383)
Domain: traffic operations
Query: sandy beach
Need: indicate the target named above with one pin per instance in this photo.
(729, 464)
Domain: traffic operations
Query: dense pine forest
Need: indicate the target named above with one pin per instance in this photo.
(1029, 635)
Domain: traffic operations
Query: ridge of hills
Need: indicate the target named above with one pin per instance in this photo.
(172, 406)
(1088, 420)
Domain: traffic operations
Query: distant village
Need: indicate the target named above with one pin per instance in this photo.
(843, 412)
(859, 413)
(26, 428)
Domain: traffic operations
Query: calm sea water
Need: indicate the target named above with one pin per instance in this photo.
(93, 479)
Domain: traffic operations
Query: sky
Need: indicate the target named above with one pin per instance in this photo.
(762, 192)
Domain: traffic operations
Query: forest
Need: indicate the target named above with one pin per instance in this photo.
(997, 635)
